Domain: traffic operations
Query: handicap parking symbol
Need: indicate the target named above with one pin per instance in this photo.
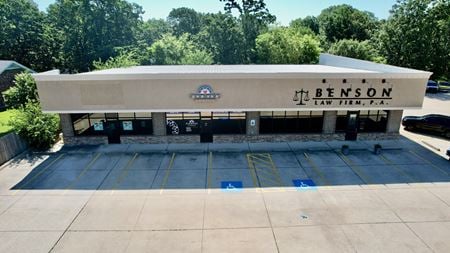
(231, 186)
(304, 184)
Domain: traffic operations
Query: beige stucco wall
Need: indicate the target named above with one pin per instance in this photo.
(235, 94)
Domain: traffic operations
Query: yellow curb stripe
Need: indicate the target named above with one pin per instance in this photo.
(316, 169)
(355, 168)
(125, 171)
(252, 169)
(88, 166)
(166, 177)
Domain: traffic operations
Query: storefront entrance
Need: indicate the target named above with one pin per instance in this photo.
(205, 124)
(351, 134)
(113, 132)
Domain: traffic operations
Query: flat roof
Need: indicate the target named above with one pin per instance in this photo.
(330, 66)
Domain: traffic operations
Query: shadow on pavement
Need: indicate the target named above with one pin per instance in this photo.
(232, 167)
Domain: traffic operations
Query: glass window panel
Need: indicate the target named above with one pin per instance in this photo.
(81, 125)
(174, 115)
(342, 113)
(317, 113)
(206, 114)
(126, 115)
(266, 114)
(292, 114)
(146, 115)
(279, 114)
(191, 115)
(304, 114)
(363, 113)
(93, 121)
(237, 115)
(220, 115)
(97, 115)
(112, 115)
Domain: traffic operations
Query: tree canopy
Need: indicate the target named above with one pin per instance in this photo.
(286, 45)
(345, 22)
(82, 35)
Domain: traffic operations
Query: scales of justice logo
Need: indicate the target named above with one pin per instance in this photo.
(304, 97)
(205, 92)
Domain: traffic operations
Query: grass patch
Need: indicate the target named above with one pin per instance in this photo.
(4, 119)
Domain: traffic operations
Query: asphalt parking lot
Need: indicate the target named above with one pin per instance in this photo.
(257, 197)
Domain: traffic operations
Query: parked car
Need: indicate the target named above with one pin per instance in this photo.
(432, 122)
(432, 86)
(444, 86)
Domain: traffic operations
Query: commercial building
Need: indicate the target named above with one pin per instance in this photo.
(339, 98)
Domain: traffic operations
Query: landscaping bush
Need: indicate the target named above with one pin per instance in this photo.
(39, 129)
(23, 91)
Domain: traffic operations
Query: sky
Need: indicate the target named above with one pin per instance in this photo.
(285, 10)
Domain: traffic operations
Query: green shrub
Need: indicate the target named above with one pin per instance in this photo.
(23, 91)
(39, 129)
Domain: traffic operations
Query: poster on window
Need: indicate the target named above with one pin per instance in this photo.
(127, 125)
(98, 126)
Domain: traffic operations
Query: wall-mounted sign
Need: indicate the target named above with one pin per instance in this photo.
(205, 92)
(127, 125)
(98, 126)
(348, 96)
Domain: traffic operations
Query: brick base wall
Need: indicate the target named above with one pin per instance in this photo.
(151, 139)
(85, 140)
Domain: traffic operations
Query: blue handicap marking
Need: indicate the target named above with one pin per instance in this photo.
(304, 184)
(231, 186)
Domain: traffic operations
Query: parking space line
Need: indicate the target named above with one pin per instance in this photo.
(39, 173)
(88, 166)
(252, 169)
(316, 169)
(356, 169)
(124, 172)
(264, 169)
(429, 162)
(209, 171)
(390, 163)
(166, 177)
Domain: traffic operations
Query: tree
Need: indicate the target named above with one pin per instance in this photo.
(310, 22)
(171, 50)
(255, 18)
(345, 22)
(223, 37)
(90, 30)
(120, 61)
(287, 46)
(362, 50)
(184, 20)
(416, 35)
(39, 129)
(21, 32)
(152, 30)
(23, 91)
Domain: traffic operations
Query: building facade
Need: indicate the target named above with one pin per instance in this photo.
(339, 98)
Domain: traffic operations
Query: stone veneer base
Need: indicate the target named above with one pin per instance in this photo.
(151, 139)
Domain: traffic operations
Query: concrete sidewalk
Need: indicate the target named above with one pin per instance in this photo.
(177, 198)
